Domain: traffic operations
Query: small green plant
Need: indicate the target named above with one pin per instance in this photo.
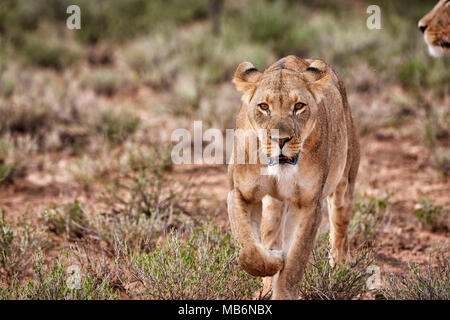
(5, 172)
(268, 21)
(13, 156)
(6, 167)
(138, 231)
(155, 158)
(370, 216)
(430, 283)
(7, 86)
(343, 281)
(69, 220)
(440, 153)
(117, 128)
(431, 217)
(49, 55)
(28, 118)
(413, 74)
(148, 190)
(441, 156)
(17, 246)
(200, 266)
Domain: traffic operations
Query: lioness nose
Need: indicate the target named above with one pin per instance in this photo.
(423, 28)
(281, 141)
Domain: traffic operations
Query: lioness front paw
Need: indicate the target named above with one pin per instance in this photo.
(260, 262)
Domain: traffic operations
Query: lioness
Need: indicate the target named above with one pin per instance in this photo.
(275, 216)
(436, 28)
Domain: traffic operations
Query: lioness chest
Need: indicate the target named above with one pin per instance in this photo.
(302, 181)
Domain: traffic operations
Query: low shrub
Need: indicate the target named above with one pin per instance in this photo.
(201, 265)
(344, 281)
(430, 283)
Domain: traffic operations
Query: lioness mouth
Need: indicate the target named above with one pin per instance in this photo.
(282, 159)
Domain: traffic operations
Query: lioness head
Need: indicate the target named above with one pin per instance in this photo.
(282, 104)
(436, 28)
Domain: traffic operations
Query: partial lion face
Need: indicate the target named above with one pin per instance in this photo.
(282, 104)
(436, 28)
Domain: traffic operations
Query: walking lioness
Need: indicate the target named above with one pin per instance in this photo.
(315, 154)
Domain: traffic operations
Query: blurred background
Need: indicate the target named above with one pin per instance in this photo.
(86, 118)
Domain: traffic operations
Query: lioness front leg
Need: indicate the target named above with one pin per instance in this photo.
(300, 229)
(272, 212)
(245, 220)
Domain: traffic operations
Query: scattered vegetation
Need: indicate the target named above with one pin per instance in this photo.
(344, 281)
(117, 128)
(370, 216)
(144, 204)
(60, 282)
(13, 156)
(139, 207)
(44, 54)
(431, 217)
(436, 135)
(18, 244)
(430, 283)
(201, 266)
(7, 86)
(70, 220)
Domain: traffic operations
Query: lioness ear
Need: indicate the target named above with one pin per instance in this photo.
(246, 79)
(317, 76)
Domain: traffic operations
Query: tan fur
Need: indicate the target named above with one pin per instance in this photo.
(436, 28)
(275, 217)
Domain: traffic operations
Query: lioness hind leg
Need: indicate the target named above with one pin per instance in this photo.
(272, 211)
(339, 211)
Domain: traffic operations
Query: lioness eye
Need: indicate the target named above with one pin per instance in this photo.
(263, 106)
(299, 107)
